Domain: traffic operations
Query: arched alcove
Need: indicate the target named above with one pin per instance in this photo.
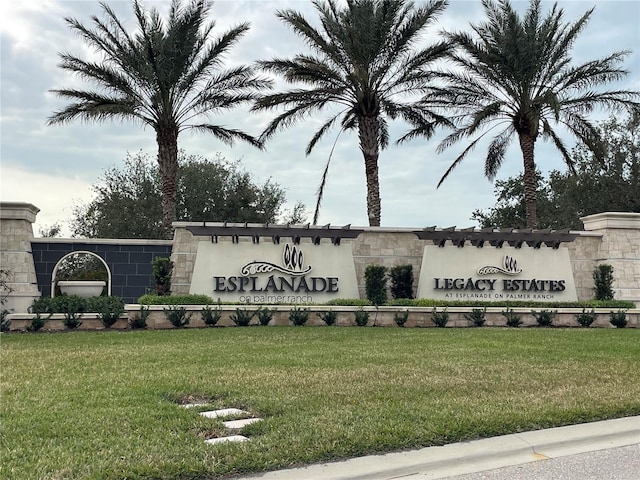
(61, 263)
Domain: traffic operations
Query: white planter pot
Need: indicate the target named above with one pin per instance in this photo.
(82, 288)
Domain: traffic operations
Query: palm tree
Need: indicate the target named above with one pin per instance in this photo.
(365, 63)
(516, 75)
(167, 75)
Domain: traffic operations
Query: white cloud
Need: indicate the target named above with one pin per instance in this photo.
(54, 195)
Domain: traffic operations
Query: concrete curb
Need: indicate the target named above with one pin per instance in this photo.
(474, 456)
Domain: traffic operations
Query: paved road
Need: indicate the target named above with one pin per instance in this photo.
(622, 463)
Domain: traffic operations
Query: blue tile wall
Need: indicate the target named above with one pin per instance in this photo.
(130, 265)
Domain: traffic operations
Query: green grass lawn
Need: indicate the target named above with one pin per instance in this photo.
(105, 404)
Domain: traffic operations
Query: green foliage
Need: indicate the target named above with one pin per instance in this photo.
(618, 319)
(586, 318)
(609, 185)
(264, 315)
(109, 310)
(603, 282)
(38, 322)
(299, 316)
(401, 318)
(376, 284)
(544, 317)
(361, 317)
(127, 202)
(513, 319)
(71, 306)
(167, 74)
(242, 317)
(359, 52)
(329, 317)
(476, 317)
(211, 316)
(177, 315)
(348, 302)
(162, 268)
(497, 56)
(401, 277)
(440, 319)
(139, 320)
(5, 290)
(82, 266)
(186, 299)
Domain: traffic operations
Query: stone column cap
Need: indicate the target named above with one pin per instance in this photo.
(18, 211)
(600, 221)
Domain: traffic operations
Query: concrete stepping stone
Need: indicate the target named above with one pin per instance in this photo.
(231, 438)
(224, 412)
(238, 424)
(194, 405)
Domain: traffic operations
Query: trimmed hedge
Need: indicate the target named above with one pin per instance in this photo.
(188, 299)
(75, 304)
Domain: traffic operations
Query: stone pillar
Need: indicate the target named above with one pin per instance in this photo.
(16, 232)
(620, 247)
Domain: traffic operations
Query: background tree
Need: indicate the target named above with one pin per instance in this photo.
(366, 63)
(612, 186)
(516, 73)
(127, 200)
(165, 75)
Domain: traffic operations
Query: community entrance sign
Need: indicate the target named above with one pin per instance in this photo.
(496, 274)
(269, 273)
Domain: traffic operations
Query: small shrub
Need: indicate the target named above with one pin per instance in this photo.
(513, 319)
(72, 306)
(603, 282)
(361, 317)
(211, 316)
(618, 319)
(139, 320)
(440, 319)
(162, 268)
(264, 315)
(299, 316)
(242, 317)
(109, 309)
(376, 284)
(586, 318)
(401, 318)
(38, 322)
(401, 277)
(177, 316)
(329, 317)
(477, 316)
(544, 317)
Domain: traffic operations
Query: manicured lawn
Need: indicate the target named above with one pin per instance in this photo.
(105, 404)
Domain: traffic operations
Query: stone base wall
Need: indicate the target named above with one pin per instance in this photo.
(420, 317)
(16, 259)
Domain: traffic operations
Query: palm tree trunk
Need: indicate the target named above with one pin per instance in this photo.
(167, 139)
(368, 131)
(527, 144)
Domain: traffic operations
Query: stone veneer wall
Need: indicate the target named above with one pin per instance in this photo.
(612, 238)
(619, 247)
(16, 232)
(391, 247)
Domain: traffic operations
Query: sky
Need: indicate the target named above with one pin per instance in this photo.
(54, 167)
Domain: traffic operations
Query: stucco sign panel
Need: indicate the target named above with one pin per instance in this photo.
(268, 273)
(496, 274)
